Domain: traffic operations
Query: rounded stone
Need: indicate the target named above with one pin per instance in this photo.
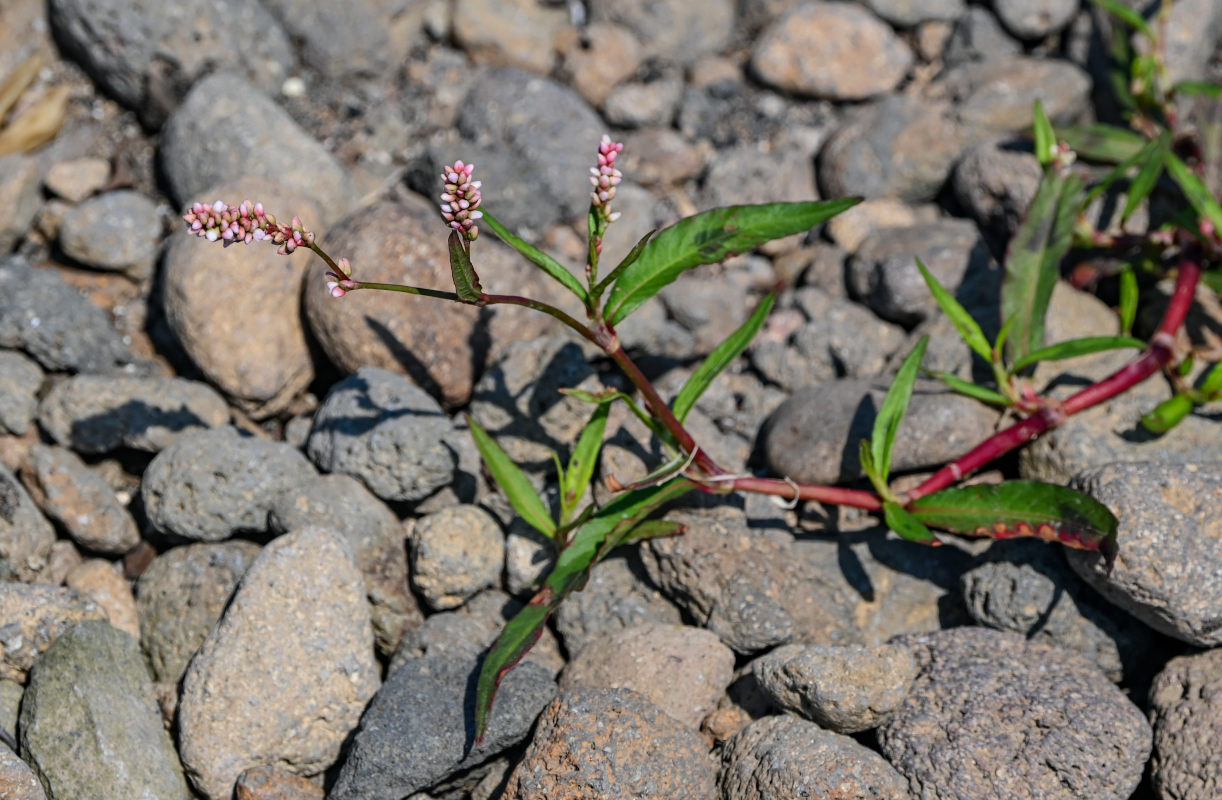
(116, 231)
(509, 34)
(20, 380)
(25, 534)
(455, 552)
(1032, 19)
(99, 581)
(675, 30)
(836, 51)
(18, 779)
(80, 500)
(1187, 727)
(32, 617)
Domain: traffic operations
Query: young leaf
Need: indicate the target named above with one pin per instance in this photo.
(906, 525)
(614, 520)
(707, 238)
(968, 328)
(1198, 88)
(1146, 178)
(1003, 335)
(1022, 508)
(602, 397)
(1167, 414)
(512, 480)
(585, 455)
(1045, 136)
(865, 454)
(628, 261)
(887, 423)
(1194, 190)
(1121, 170)
(1128, 300)
(720, 358)
(1126, 14)
(536, 256)
(981, 393)
(1211, 384)
(1105, 143)
(1076, 347)
(1034, 257)
(654, 529)
(466, 282)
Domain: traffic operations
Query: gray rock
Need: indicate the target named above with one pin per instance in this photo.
(594, 60)
(213, 484)
(19, 197)
(455, 552)
(77, 179)
(180, 597)
(416, 732)
(385, 431)
(780, 757)
(750, 591)
(909, 13)
(996, 182)
(850, 228)
(857, 342)
(614, 743)
(285, 674)
(816, 49)
(1033, 19)
(671, 29)
(636, 104)
(20, 380)
(728, 111)
(992, 715)
(899, 146)
(117, 231)
(371, 37)
(742, 174)
(846, 689)
(978, 36)
(53, 322)
(618, 595)
(93, 414)
(18, 779)
(698, 301)
(25, 535)
(1167, 574)
(90, 726)
(1187, 723)
(515, 34)
(148, 56)
(10, 707)
(1190, 35)
(813, 436)
(80, 500)
(376, 536)
(33, 616)
(682, 670)
(995, 97)
(529, 556)
(225, 125)
(884, 275)
(1026, 587)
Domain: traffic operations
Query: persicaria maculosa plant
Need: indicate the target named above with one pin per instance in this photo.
(585, 533)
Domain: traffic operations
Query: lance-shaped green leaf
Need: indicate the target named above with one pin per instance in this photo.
(585, 455)
(707, 238)
(720, 358)
(1128, 300)
(1022, 508)
(1105, 143)
(1045, 137)
(1198, 88)
(1194, 189)
(1211, 384)
(1119, 171)
(1147, 176)
(1167, 414)
(968, 328)
(1076, 347)
(1128, 15)
(512, 480)
(614, 520)
(466, 282)
(1033, 259)
(906, 525)
(599, 398)
(892, 411)
(981, 393)
(628, 261)
(536, 256)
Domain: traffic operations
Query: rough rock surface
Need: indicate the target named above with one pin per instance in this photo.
(455, 552)
(32, 617)
(79, 500)
(1187, 725)
(115, 231)
(25, 535)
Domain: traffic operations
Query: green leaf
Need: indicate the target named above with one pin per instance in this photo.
(1105, 143)
(1167, 414)
(1194, 190)
(1121, 170)
(1034, 256)
(895, 404)
(611, 394)
(963, 322)
(1213, 279)
(466, 282)
(628, 261)
(1198, 88)
(906, 525)
(1003, 335)
(1147, 177)
(615, 521)
(1128, 300)
(512, 480)
(655, 529)
(707, 238)
(730, 349)
(1022, 508)
(536, 256)
(970, 389)
(865, 455)
(1045, 136)
(1211, 384)
(584, 458)
(1076, 347)
(1127, 15)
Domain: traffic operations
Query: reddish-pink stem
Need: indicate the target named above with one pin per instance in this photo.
(800, 491)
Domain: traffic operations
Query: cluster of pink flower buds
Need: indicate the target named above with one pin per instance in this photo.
(341, 284)
(460, 200)
(245, 223)
(605, 177)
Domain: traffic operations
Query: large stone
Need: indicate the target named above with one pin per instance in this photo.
(671, 29)
(32, 617)
(80, 500)
(116, 231)
(509, 33)
(618, 595)
(1187, 724)
(996, 97)
(366, 38)
(455, 552)
(285, 674)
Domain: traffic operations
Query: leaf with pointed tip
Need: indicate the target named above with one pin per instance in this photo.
(628, 261)
(1211, 384)
(1128, 300)
(585, 455)
(1076, 347)
(1198, 88)
(1194, 190)
(893, 408)
(969, 389)
(614, 520)
(906, 525)
(707, 238)
(466, 282)
(513, 481)
(1128, 15)
(1147, 177)
(968, 328)
(720, 358)
(1022, 508)
(611, 394)
(1105, 143)
(535, 256)
(1167, 414)
(1045, 136)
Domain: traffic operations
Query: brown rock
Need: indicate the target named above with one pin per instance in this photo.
(98, 580)
(79, 499)
(596, 58)
(509, 33)
(77, 178)
(427, 339)
(25, 535)
(17, 780)
(32, 616)
(245, 334)
(273, 783)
